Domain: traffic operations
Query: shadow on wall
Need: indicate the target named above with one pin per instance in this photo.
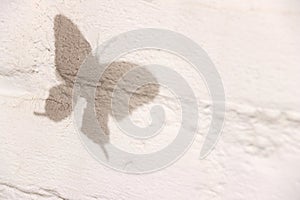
(71, 49)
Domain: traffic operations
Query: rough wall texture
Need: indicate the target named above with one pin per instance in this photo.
(255, 46)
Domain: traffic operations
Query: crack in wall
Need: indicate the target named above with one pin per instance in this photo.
(39, 192)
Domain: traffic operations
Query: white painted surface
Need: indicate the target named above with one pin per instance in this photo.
(255, 46)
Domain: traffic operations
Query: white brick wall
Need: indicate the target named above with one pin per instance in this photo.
(254, 45)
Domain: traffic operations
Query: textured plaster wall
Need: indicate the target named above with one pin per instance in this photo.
(254, 45)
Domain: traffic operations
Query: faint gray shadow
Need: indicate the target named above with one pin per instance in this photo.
(71, 49)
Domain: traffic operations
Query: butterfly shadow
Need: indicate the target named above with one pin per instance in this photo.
(71, 50)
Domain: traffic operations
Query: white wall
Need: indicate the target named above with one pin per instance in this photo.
(255, 46)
